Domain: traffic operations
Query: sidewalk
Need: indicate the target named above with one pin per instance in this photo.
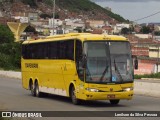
(11, 74)
(147, 87)
(153, 79)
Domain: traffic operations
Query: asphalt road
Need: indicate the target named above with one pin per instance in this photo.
(14, 98)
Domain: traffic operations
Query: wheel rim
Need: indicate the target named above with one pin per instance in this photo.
(37, 90)
(73, 94)
(74, 99)
(32, 89)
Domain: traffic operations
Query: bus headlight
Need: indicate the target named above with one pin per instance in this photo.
(128, 89)
(92, 89)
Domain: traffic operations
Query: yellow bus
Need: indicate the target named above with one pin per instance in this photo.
(81, 66)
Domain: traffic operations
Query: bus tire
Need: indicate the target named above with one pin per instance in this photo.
(32, 88)
(114, 102)
(74, 99)
(37, 92)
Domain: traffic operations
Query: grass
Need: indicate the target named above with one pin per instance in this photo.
(156, 75)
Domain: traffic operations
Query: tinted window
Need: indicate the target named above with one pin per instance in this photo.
(50, 50)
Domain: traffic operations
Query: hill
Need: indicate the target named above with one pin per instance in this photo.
(64, 9)
(86, 7)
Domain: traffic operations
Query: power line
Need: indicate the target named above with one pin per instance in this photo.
(147, 16)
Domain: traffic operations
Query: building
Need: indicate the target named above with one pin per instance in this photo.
(143, 36)
(154, 51)
(4, 20)
(107, 30)
(137, 28)
(157, 28)
(140, 51)
(117, 28)
(57, 22)
(95, 23)
(33, 16)
(73, 24)
(148, 52)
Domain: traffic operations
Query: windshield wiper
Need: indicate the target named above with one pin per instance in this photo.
(106, 69)
(117, 71)
(89, 74)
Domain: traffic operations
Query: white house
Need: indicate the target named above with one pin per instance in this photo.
(144, 36)
(119, 27)
(57, 22)
(74, 23)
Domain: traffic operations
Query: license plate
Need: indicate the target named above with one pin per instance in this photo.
(111, 96)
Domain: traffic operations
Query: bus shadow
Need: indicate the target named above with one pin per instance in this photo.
(96, 104)
(57, 98)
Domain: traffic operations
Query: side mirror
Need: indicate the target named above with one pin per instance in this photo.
(136, 64)
(84, 61)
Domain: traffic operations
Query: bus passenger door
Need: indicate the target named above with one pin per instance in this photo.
(79, 77)
(69, 72)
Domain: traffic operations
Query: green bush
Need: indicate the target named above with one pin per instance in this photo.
(156, 75)
(10, 52)
(29, 2)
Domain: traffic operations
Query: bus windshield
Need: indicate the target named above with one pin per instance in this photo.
(108, 62)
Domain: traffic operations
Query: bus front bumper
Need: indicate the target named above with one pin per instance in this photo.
(108, 95)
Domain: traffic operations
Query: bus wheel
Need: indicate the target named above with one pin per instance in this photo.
(73, 96)
(114, 102)
(32, 88)
(37, 93)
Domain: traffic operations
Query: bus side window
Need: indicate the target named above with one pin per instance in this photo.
(29, 52)
(66, 50)
(70, 50)
(53, 50)
(24, 51)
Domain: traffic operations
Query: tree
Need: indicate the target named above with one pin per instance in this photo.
(9, 50)
(56, 16)
(44, 16)
(125, 31)
(157, 33)
(145, 30)
(6, 35)
(30, 29)
(78, 29)
(30, 2)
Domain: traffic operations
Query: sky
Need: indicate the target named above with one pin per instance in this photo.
(134, 9)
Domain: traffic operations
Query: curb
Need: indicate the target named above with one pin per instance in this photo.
(150, 79)
(11, 74)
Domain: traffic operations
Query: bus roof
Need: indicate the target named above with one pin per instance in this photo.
(79, 36)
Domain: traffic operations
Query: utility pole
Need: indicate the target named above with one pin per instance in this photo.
(54, 9)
